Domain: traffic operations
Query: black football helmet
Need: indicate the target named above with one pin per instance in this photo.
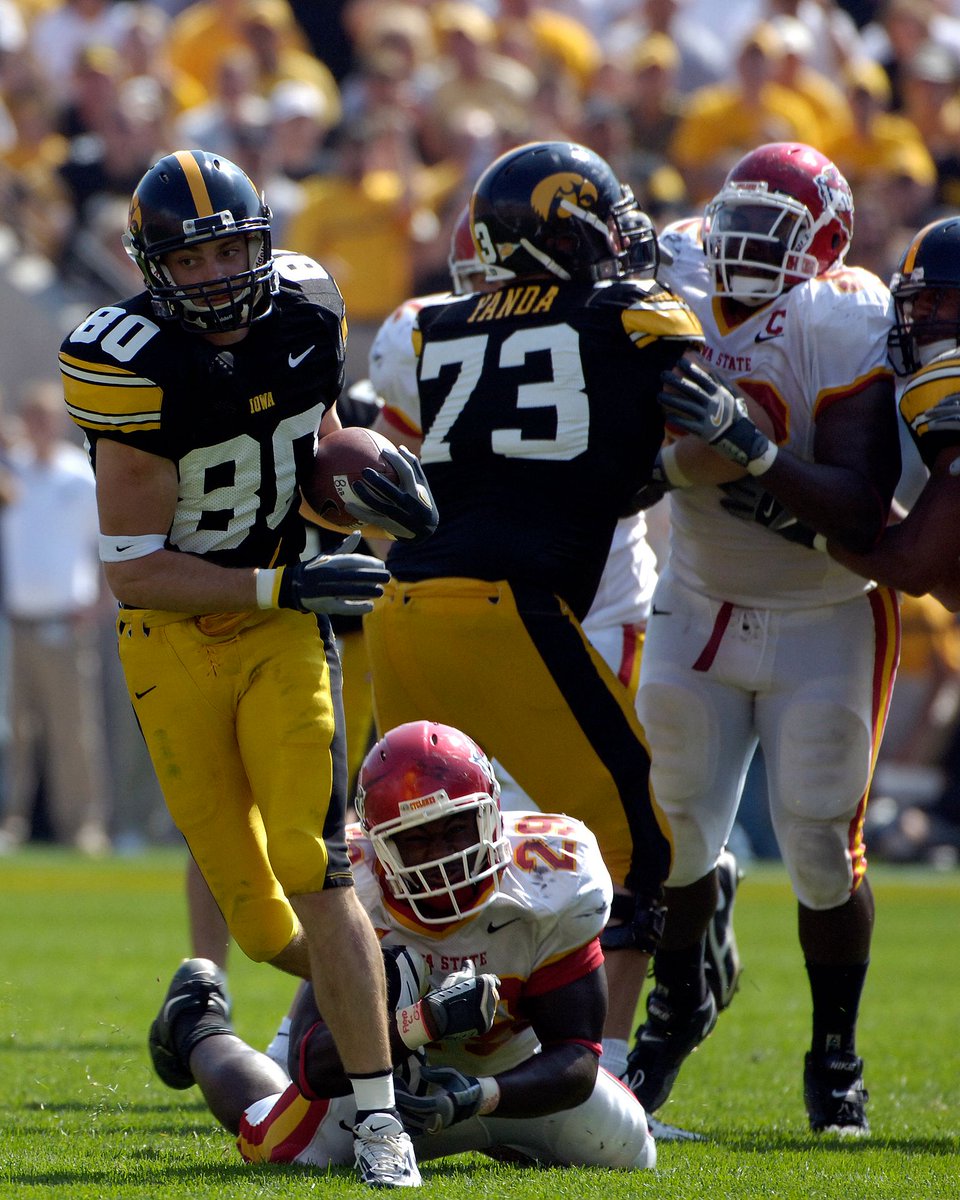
(557, 208)
(193, 196)
(926, 292)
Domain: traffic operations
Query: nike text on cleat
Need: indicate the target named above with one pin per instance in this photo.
(834, 1094)
(384, 1153)
(722, 958)
(663, 1041)
(198, 988)
(295, 360)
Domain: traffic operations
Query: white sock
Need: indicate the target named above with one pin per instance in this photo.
(278, 1048)
(614, 1057)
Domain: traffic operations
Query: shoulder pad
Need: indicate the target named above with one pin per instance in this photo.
(930, 405)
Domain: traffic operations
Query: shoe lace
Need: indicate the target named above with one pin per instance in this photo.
(382, 1150)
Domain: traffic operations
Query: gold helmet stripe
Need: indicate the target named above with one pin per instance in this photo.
(910, 258)
(194, 177)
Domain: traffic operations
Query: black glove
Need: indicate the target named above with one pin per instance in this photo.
(453, 1097)
(343, 582)
(465, 1007)
(407, 510)
(748, 500)
(702, 405)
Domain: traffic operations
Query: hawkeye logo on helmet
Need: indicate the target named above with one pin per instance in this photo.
(556, 195)
(220, 223)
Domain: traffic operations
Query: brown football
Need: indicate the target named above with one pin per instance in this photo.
(340, 459)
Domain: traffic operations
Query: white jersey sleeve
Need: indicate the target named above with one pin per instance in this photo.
(814, 346)
(626, 586)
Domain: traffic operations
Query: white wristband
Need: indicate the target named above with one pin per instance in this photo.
(267, 584)
(491, 1094)
(123, 546)
(671, 468)
(760, 466)
(412, 1027)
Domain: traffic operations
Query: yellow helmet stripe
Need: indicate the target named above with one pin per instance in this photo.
(910, 258)
(194, 177)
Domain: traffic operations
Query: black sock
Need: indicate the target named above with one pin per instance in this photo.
(836, 992)
(188, 1030)
(679, 973)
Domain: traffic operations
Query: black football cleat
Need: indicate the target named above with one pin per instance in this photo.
(834, 1094)
(198, 989)
(663, 1042)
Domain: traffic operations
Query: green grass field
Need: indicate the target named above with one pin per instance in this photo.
(87, 949)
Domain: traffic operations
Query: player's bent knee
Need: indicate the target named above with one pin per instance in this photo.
(823, 762)
(299, 860)
(262, 927)
(817, 857)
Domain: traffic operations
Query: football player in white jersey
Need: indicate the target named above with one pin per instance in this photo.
(503, 1059)
(753, 638)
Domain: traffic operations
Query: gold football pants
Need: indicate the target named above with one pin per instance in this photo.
(513, 669)
(243, 719)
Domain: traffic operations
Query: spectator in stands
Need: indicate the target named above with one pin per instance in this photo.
(52, 588)
(206, 30)
(723, 121)
(59, 34)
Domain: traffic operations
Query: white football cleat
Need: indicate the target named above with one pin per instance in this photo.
(384, 1153)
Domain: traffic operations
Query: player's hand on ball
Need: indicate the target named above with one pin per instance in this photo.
(464, 1008)
(343, 583)
(696, 402)
(453, 1097)
(406, 510)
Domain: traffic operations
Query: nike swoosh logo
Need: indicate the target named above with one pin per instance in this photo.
(140, 695)
(295, 361)
(767, 337)
(121, 549)
(660, 612)
(491, 928)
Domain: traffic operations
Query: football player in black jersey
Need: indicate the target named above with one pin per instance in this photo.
(922, 553)
(540, 424)
(201, 399)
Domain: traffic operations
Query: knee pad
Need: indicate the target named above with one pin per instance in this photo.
(682, 741)
(824, 756)
(817, 857)
(298, 859)
(642, 919)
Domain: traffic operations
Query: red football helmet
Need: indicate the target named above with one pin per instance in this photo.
(783, 215)
(423, 772)
(463, 260)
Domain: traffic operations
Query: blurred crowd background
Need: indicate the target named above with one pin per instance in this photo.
(366, 123)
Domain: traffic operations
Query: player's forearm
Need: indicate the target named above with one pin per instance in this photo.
(845, 507)
(560, 1077)
(175, 582)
